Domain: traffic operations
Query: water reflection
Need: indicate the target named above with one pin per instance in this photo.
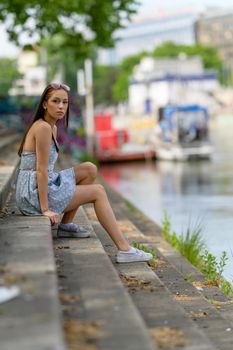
(182, 178)
(189, 192)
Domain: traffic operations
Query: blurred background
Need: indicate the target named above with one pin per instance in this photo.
(151, 98)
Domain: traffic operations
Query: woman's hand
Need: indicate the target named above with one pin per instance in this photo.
(54, 217)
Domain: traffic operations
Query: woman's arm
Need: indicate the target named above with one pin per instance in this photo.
(43, 140)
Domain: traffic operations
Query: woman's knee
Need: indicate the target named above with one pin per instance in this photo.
(86, 194)
(91, 170)
(100, 191)
(85, 173)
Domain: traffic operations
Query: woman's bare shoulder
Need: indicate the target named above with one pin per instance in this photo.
(41, 127)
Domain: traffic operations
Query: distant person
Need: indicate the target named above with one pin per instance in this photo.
(41, 191)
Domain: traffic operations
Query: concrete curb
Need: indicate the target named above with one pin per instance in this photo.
(7, 140)
(8, 164)
(32, 320)
(87, 270)
(7, 176)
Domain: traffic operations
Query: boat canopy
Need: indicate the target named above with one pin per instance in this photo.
(184, 123)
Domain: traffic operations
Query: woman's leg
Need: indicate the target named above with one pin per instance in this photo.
(85, 174)
(96, 194)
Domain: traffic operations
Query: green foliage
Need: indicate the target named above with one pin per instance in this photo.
(211, 268)
(83, 156)
(104, 79)
(130, 206)
(9, 74)
(168, 235)
(144, 248)
(120, 88)
(189, 278)
(82, 23)
(209, 55)
(190, 244)
(166, 226)
(193, 248)
(65, 61)
(152, 262)
(226, 288)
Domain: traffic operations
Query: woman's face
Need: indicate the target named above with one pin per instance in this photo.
(57, 104)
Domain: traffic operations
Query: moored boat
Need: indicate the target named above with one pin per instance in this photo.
(184, 133)
(115, 145)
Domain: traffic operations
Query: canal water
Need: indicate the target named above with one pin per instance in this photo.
(198, 192)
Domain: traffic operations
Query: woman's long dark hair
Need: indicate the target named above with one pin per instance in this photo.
(40, 111)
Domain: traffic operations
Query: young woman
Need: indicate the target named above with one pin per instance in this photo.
(41, 191)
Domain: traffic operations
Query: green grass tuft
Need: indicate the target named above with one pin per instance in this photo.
(191, 245)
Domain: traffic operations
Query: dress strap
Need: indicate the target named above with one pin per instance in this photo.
(55, 142)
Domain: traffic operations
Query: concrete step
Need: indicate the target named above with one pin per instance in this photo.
(216, 325)
(98, 309)
(176, 265)
(186, 276)
(94, 296)
(106, 309)
(7, 131)
(160, 311)
(32, 320)
(8, 162)
(8, 138)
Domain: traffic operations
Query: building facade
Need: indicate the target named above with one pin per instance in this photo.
(216, 29)
(146, 34)
(156, 83)
(33, 79)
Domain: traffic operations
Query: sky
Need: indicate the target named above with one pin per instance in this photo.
(147, 8)
(150, 7)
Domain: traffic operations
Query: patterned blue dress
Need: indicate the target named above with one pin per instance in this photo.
(61, 185)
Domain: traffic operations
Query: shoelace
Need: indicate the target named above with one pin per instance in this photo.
(139, 252)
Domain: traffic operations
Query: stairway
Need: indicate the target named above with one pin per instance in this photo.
(73, 294)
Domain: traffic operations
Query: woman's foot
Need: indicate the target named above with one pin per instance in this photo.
(71, 230)
(133, 255)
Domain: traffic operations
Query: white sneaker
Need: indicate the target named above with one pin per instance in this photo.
(133, 255)
(72, 231)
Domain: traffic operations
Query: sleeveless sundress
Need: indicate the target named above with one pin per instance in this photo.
(61, 185)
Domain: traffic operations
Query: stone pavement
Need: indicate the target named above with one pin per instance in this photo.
(73, 294)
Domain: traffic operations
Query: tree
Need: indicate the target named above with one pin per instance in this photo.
(209, 55)
(120, 88)
(82, 23)
(9, 74)
(104, 79)
(57, 60)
